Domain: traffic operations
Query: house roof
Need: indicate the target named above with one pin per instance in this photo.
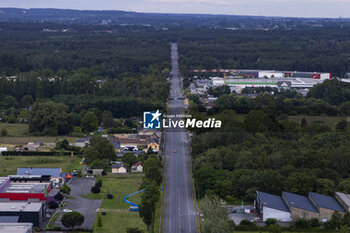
(118, 165)
(53, 172)
(115, 143)
(86, 139)
(326, 202)
(137, 164)
(272, 201)
(299, 201)
(344, 197)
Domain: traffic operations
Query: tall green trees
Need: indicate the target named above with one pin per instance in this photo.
(49, 118)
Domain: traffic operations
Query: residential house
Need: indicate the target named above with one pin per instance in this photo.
(82, 142)
(116, 144)
(31, 146)
(137, 167)
(97, 172)
(118, 168)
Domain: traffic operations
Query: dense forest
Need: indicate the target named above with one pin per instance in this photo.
(122, 74)
(322, 50)
(266, 151)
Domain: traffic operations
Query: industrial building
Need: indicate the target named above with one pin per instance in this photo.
(16, 227)
(25, 188)
(325, 205)
(27, 212)
(293, 206)
(56, 174)
(240, 79)
(299, 206)
(271, 206)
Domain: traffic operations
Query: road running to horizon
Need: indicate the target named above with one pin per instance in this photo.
(179, 211)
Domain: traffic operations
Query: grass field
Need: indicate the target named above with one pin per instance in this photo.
(9, 164)
(18, 134)
(118, 218)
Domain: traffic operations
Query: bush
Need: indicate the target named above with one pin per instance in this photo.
(104, 173)
(59, 197)
(65, 189)
(3, 132)
(246, 225)
(95, 190)
(109, 196)
(98, 183)
(134, 230)
(270, 221)
(52, 205)
(103, 213)
(274, 228)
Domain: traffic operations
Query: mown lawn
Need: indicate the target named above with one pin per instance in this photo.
(118, 218)
(9, 164)
(17, 134)
(15, 130)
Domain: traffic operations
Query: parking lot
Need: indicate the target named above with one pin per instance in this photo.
(87, 207)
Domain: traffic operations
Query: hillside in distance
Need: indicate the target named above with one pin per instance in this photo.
(111, 17)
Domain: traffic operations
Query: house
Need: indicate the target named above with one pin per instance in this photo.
(137, 167)
(344, 200)
(3, 149)
(118, 168)
(97, 172)
(326, 205)
(116, 144)
(153, 144)
(271, 206)
(299, 206)
(82, 142)
(57, 176)
(31, 146)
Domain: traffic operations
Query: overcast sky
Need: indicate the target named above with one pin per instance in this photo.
(296, 8)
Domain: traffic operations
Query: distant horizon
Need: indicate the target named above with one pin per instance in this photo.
(268, 8)
(174, 13)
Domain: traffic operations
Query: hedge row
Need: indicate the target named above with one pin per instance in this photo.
(34, 153)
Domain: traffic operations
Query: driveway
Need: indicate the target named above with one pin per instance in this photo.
(87, 207)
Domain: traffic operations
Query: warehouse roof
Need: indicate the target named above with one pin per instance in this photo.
(53, 172)
(326, 202)
(272, 201)
(344, 197)
(298, 201)
(26, 188)
(16, 227)
(9, 219)
(20, 206)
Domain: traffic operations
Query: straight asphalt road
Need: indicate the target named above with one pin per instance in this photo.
(179, 211)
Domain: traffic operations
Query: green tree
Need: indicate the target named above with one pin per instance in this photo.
(99, 221)
(274, 228)
(153, 170)
(26, 101)
(146, 212)
(129, 158)
(3, 132)
(72, 219)
(100, 151)
(89, 122)
(50, 118)
(341, 125)
(65, 189)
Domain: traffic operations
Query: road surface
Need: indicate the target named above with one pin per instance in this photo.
(179, 211)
